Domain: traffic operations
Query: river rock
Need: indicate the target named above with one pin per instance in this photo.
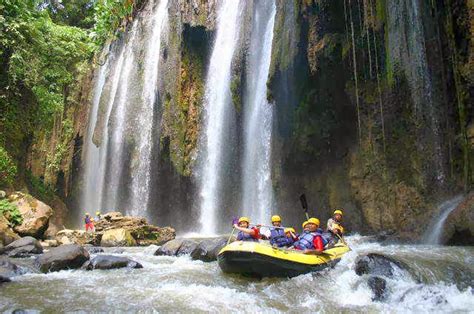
(188, 246)
(7, 235)
(3, 194)
(35, 213)
(378, 265)
(70, 256)
(170, 248)
(94, 250)
(80, 237)
(23, 247)
(49, 243)
(208, 249)
(117, 237)
(58, 219)
(4, 279)
(143, 233)
(459, 226)
(110, 262)
(379, 288)
(9, 269)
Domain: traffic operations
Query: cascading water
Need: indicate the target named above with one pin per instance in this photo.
(141, 178)
(258, 117)
(92, 152)
(127, 126)
(436, 227)
(217, 103)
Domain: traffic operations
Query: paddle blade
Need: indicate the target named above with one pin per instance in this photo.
(303, 201)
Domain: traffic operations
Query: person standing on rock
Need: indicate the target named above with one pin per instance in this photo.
(246, 233)
(89, 223)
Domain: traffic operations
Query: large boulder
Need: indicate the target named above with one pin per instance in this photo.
(35, 213)
(208, 249)
(110, 262)
(7, 235)
(378, 265)
(187, 246)
(117, 237)
(58, 219)
(170, 248)
(23, 247)
(143, 233)
(71, 256)
(459, 226)
(80, 237)
(379, 288)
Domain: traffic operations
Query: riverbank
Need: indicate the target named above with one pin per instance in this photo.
(170, 283)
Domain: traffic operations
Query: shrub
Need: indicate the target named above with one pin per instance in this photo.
(10, 212)
(7, 168)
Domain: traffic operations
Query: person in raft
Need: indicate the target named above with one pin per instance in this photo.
(291, 236)
(335, 223)
(246, 233)
(311, 240)
(89, 223)
(277, 233)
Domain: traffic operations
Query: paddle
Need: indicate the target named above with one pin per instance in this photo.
(304, 204)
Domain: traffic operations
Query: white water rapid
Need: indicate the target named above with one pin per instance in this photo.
(258, 117)
(217, 104)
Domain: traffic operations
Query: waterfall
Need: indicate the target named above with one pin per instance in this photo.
(141, 179)
(258, 117)
(435, 228)
(117, 174)
(217, 103)
(89, 200)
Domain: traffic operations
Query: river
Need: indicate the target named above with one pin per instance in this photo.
(441, 279)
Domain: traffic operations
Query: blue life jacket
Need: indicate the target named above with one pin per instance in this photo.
(242, 236)
(87, 220)
(277, 236)
(306, 239)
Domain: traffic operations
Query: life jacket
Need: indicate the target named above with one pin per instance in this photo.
(277, 236)
(87, 220)
(242, 236)
(306, 239)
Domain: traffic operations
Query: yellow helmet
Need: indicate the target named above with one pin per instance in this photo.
(304, 223)
(338, 211)
(313, 221)
(242, 219)
(97, 213)
(87, 214)
(290, 229)
(276, 218)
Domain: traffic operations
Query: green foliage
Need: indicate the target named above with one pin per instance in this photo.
(109, 16)
(7, 168)
(79, 13)
(10, 212)
(38, 188)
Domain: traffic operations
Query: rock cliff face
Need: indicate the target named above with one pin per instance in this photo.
(371, 103)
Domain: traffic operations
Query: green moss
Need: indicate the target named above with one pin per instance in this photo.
(236, 91)
(7, 168)
(11, 213)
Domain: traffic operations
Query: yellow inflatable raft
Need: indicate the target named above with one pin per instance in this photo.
(260, 259)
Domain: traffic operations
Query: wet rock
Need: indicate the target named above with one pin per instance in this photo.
(23, 247)
(459, 226)
(95, 250)
(187, 246)
(58, 219)
(208, 249)
(4, 279)
(7, 235)
(71, 256)
(117, 237)
(9, 269)
(377, 264)
(110, 262)
(80, 237)
(170, 248)
(35, 213)
(379, 288)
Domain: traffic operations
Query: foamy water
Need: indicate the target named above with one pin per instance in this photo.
(178, 284)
